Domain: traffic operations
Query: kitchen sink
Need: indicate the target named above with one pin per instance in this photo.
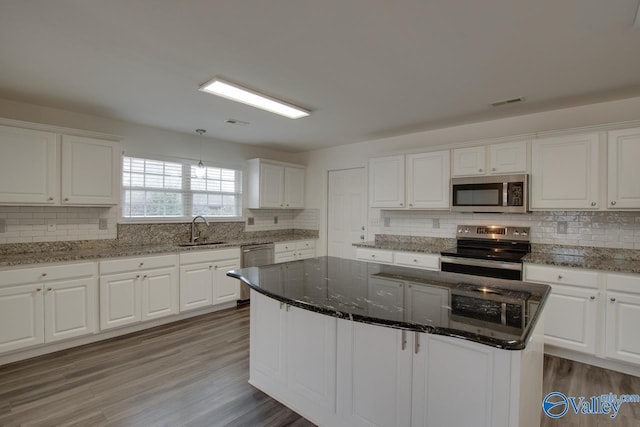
(201, 243)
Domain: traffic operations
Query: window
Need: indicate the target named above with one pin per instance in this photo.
(156, 189)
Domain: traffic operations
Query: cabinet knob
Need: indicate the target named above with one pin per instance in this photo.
(141, 264)
(215, 267)
(559, 277)
(48, 289)
(401, 204)
(38, 289)
(66, 199)
(612, 299)
(362, 237)
(480, 170)
(144, 277)
(373, 256)
(613, 203)
(287, 204)
(281, 204)
(137, 276)
(493, 169)
(50, 198)
(363, 228)
(210, 267)
(593, 203)
(410, 204)
(44, 274)
(592, 297)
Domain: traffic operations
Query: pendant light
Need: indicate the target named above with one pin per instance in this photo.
(200, 170)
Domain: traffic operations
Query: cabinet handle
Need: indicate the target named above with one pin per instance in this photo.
(44, 274)
(493, 169)
(137, 276)
(38, 289)
(613, 203)
(593, 203)
(613, 300)
(50, 199)
(592, 297)
(480, 170)
(281, 304)
(404, 340)
(141, 264)
(417, 342)
(287, 307)
(48, 289)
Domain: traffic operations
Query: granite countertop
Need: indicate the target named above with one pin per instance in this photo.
(116, 251)
(470, 306)
(603, 262)
(409, 244)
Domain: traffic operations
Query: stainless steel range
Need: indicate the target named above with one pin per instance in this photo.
(488, 250)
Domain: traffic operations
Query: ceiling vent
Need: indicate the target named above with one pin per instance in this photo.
(507, 102)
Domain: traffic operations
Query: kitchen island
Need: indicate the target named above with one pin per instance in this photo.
(349, 343)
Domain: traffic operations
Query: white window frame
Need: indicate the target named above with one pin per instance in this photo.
(186, 164)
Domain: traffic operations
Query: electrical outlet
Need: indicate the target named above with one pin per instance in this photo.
(387, 221)
(251, 220)
(436, 222)
(51, 226)
(3, 225)
(562, 227)
(103, 224)
(275, 219)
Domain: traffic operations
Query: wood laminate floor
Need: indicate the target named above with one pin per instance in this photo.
(195, 372)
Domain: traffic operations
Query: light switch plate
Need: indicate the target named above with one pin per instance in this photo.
(51, 226)
(275, 219)
(251, 220)
(387, 221)
(103, 224)
(562, 227)
(3, 225)
(436, 222)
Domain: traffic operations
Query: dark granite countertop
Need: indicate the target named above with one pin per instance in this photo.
(467, 307)
(117, 251)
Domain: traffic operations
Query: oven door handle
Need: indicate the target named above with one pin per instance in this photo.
(482, 263)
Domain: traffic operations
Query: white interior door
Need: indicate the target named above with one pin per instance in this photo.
(347, 214)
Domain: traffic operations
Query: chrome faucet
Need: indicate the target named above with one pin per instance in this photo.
(193, 227)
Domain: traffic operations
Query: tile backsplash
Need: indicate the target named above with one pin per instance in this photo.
(26, 224)
(265, 219)
(583, 228)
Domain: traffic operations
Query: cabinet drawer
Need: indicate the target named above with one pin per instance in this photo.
(429, 261)
(46, 273)
(561, 276)
(623, 282)
(305, 244)
(284, 247)
(285, 257)
(375, 255)
(139, 263)
(206, 256)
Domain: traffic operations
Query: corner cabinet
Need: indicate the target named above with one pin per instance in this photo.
(275, 185)
(414, 181)
(47, 168)
(623, 172)
(564, 172)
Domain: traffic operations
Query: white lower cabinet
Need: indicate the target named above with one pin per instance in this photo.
(427, 304)
(203, 278)
(338, 372)
(137, 289)
(405, 259)
(47, 304)
(294, 250)
(622, 318)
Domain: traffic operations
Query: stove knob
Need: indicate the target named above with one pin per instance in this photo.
(516, 233)
(466, 230)
(524, 233)
(459, 230)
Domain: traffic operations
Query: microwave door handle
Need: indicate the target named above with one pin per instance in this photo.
(505, 194)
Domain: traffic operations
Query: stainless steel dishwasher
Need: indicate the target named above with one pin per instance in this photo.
(254, 256)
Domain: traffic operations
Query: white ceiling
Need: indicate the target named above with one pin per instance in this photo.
(368, 68)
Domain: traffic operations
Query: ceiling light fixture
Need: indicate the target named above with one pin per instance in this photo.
(246, 96)
(200, 170)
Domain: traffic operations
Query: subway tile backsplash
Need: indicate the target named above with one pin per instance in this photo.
(264, 219)
(584, 228)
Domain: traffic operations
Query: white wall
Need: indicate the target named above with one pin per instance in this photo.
(29, 224)
(356, 155)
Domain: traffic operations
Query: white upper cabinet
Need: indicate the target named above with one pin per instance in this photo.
(428, 180)
(44, 168)
(275, 185)
(469, 161)
(90, 171)
(386, 182)
(564, 172)
(28, 166)
(501, 158)
(623, 171)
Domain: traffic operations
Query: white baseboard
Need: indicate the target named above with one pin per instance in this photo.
(39, 350)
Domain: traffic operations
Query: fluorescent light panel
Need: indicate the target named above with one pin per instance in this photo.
(238, 93)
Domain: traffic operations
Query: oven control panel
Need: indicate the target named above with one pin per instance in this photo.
(493, 232)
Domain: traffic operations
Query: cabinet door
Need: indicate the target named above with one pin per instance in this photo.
(271, 186)
(469, 161)
(622, 335)
(70, 308)
(623, 171)
(21, 317)
(28, 166)
(386, 182)
(119, 300)
(293, 188)
(311, 367)
(427, 305)
(570, 318)
(564, 172)
(428, 178)
(268, 341)
(509, 157)
(159, 290)
(90, 171)
(225, 288)
(385, 293)
(196, 286)
(373, 391)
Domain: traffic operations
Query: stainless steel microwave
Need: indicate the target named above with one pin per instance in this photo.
(496, 193)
